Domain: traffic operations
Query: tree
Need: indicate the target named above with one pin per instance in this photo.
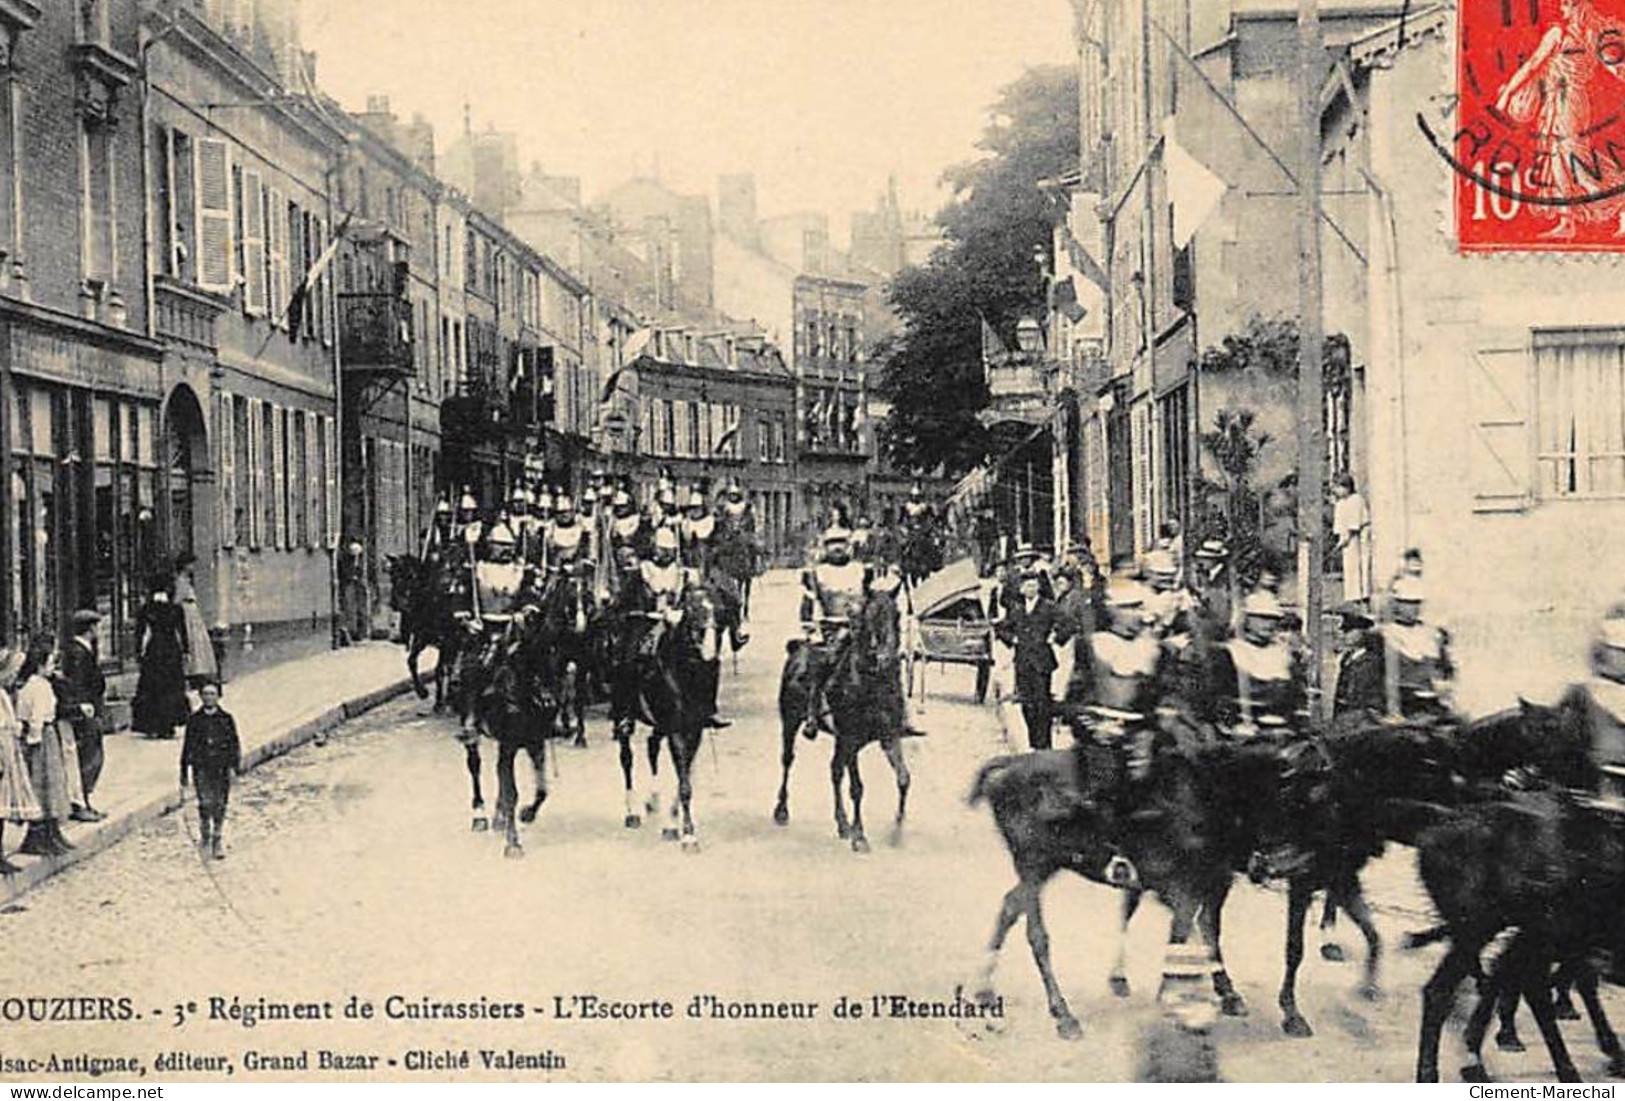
(996, 221)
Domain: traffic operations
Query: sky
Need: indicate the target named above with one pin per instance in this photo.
(821, 99)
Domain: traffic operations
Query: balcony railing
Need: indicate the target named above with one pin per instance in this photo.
(186, 316)
(375, 333)
(1017, 381)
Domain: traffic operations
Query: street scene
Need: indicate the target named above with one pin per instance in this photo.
(737, 541)
(353, 869)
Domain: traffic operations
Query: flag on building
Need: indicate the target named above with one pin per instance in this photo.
(301, 294)
(1194, 190)
(726, 439)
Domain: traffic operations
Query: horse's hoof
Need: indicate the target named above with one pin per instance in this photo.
(896, 838)
(1295, 1026)
(580, 742)
(422, 693)
(1233, 1005)
(634, 821)
(1068, 1028)
(1564, 1009)
(1507, 1040)
(513, 851)
(842, 830)
(1119, 985)
(781, 815)
(860, 844)
(667, 833)
(480, 823)
(986, 997)
(691, 844)
(1474, 1072)
(1368, 992)
(1332, 952)
(527, 815)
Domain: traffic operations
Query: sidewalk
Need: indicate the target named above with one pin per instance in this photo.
(277, 708)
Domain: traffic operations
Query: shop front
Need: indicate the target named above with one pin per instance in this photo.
(94, 507)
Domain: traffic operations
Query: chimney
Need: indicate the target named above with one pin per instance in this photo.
(377, 105)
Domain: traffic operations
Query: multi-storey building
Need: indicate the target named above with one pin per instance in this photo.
(1490, 409)
(240, 172)
(392, 382)
(103, 445)
(713, 408)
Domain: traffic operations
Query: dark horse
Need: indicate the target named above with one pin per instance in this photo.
(571, 615)
(862, 703)
(663, 684)
(513, 700)
(422, 592)
(1198, 815)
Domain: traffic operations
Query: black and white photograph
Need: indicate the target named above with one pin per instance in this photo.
(760, 541)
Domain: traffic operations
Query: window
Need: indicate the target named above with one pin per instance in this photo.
(764, 444)
(214, 215)
(97, 261)
(299, 536)
(330, 466)
(255, 415)
(242, 500)
(250, 222)
(225, 441)
(1580, 413)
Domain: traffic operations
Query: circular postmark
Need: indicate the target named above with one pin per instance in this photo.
(1539, 145)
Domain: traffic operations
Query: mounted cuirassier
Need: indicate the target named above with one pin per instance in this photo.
(626, 532)
(1418, 671)
(522, 523)
(1115, 754)
(736, 543)
(499, 579)
(696, 532)
(1258, 685)
(1602, 702)
(437, 537)
(833, 593)
(467, 528)
(569, 540)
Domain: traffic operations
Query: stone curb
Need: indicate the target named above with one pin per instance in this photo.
(116, 827)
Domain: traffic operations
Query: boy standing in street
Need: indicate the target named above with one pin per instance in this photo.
(210, 755)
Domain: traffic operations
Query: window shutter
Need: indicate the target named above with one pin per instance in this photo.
(311, 486)
(317, 307)
(330, 472)
(254, 242)
(680, 427)
(279, 476)
(226, 439)
(1500, 453)
(214, 214)
(256, 466)
(275, 243)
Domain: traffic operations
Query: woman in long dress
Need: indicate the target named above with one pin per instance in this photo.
(17, 802)
(200, 663)
(160, 692)
(53, 759)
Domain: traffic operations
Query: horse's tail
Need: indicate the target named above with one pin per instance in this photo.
(986, 777)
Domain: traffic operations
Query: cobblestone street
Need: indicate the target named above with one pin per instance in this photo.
(352, 870)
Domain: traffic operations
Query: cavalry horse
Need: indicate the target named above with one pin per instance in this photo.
(659, 680)
(862, 703)
(421, 590)
(570, 612)
(514, 702)
(736, 562)
(1198, 816)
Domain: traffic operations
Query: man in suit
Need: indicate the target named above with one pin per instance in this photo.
(1029, 624)
(80, 697)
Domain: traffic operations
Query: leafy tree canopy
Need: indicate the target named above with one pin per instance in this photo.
(997, 219)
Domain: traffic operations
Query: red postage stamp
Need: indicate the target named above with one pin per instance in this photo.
(1539, 149)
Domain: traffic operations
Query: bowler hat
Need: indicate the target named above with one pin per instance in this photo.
(1354, 616)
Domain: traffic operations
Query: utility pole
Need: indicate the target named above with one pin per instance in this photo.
(1311, 384)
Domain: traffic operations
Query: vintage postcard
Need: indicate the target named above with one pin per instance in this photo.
(751, 541)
